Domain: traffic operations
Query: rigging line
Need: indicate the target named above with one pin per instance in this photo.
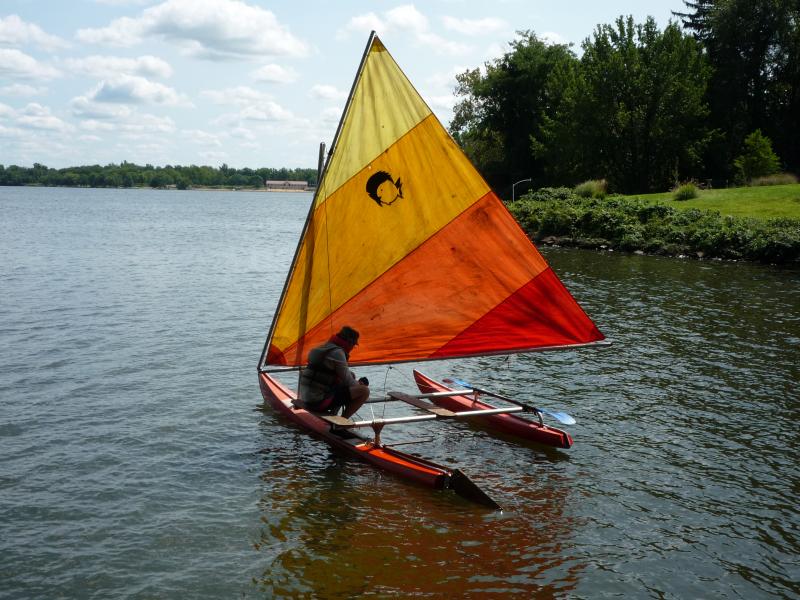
(328, 268)
(385, 393)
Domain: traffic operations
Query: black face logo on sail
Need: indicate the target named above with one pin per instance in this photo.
(384, 189)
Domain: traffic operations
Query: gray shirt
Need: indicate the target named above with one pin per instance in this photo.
(336, 360)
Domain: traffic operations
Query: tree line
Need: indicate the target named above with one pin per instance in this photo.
(128, 174)
(642, 108)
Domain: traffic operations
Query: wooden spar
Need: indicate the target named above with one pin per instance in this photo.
(349, 423)
(390, 398)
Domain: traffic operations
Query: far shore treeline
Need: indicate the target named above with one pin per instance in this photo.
(128, 174)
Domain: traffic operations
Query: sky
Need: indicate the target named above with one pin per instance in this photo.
(247, 83)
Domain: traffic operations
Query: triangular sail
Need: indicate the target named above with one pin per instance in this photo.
(406, 243)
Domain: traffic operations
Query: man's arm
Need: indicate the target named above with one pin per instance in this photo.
(343, 373)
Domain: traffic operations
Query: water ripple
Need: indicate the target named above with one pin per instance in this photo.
(134, 466)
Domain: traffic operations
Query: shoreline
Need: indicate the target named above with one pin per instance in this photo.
(161, 189)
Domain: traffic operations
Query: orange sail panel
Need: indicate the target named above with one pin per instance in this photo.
(406, 243)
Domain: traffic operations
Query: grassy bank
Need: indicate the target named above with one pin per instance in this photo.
(758, 202)
(739, 229)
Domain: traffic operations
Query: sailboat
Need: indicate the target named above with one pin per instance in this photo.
(406, 242)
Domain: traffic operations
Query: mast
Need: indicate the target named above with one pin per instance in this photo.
(321, 171)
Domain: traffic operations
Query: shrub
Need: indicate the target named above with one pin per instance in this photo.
(758, 159)
(633, 224)
(594, 188)
(550, 194)
(777, 179)
(687, 191)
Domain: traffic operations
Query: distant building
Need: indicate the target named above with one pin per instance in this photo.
(286, 186)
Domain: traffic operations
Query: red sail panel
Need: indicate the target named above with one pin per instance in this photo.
(540, 314)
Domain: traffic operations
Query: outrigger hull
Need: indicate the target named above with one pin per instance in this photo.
(407, 466)
(507, 423)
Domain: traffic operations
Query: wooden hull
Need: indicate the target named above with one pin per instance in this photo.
(507, 423)
(408, 466)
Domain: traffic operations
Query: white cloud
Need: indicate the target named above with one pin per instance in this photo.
(130, 89)
(36, 116)
(133, 124)
(274, 74)
(16, 32)
(242, 132)
(109, 66)
(327, 92)
(472, 27)
(202, 138)
(122, 2)
(332, 115)
(269, 111)
(122, 32)
(362, 24)
(407, 17)
(253, 106)
(404, 19)
(16, 64)
(552, 38)
(239, 96)
(211, 29)
(86, 108)
(214, 156)
(10, 132)
(95, 125)
(6, 111)
(147, 124)
(21, 89)
(441, 102)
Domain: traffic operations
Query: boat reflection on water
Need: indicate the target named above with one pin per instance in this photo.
(335, 528)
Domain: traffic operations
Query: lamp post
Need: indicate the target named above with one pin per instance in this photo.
(515, 185)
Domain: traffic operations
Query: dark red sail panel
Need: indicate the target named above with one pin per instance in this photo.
(540, 314)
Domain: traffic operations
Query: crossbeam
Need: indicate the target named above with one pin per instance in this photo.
(345, 423)
(416, 400)
(487, 411)
(419, 403)
(434, 412)
(393, 396)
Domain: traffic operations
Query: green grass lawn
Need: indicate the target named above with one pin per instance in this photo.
(759, 202)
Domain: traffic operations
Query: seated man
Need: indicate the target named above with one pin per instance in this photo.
(326, 383)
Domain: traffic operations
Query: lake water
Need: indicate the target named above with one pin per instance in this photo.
(134, 464)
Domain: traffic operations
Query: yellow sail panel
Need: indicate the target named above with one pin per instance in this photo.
(384, 107)
(425, 181)
(306, 298)
(376, 219)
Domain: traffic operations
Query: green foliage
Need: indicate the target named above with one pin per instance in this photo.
(687, 191)
(128, 174)
(594, 188)
(635, 111)
(502, 110)
(754, 49)
(635, 224)
(757, 158)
